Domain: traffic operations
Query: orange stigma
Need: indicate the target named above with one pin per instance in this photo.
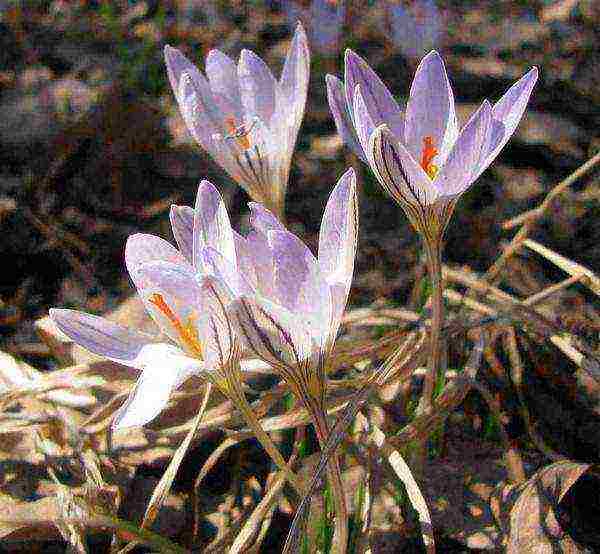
(239, 134)
(187, 332)
(429, 152)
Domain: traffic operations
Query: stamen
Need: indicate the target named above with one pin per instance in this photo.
(429, 152)
(239, 133)
(187, 332)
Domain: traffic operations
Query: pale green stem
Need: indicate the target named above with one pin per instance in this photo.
(237, 396)
(434, 262)
(340, 535)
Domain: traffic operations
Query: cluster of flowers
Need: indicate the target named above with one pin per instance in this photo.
(219, 293)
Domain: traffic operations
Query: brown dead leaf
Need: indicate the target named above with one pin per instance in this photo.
(527, 514)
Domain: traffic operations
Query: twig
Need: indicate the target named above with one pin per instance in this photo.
(590, 279)
(537, 213)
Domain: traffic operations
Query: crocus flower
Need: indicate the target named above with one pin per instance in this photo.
(415, 26)
(323, 19)
(185, 292)
(419, 155)
(243, 117)
(292, 318)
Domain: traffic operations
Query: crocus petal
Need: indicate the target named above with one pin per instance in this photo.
(211, 224)
(215, 330)
(213, 263)
(262, 258)
(398, 173)
(142, 248)
(430, 110)
(257, 86)
(101, 336)
(336, 96)
(176, 289)
(506, 115)
(337, 243)
(263, 220)
(271, 332)
(299, 284)
(182, 224)
(194, 96)
(164, 368)
(295, 74)
(379, 102)
(362, 119)
(245, 261)
(223, 78)
(457, 174)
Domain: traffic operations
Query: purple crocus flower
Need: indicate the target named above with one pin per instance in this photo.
(323, 19)
(185, 292)
(243, 117)
(292, 318)
(419, 155)
(415, 26)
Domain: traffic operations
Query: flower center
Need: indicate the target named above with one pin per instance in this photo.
(239, 133)
(187, 332)
(429, 152)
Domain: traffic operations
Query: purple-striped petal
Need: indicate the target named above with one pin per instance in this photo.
(257, 86)
(506, 115)
(164, 369)
(457, 174)
(211, 224)
(338, 238)
(430, 110)
(336, 96)
(379, 101)
(220, 344)
(101, 336)
(182, 224)
(270, 332)
(398, 173)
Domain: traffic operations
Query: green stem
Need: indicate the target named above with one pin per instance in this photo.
(434, 262)
(237, 396)
(340, 536)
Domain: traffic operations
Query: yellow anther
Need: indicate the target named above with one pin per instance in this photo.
(187, 331)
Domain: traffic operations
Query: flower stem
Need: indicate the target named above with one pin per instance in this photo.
(434, 262)
(237, 396)
(340, 536)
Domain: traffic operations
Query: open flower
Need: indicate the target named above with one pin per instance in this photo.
(292, 318)
(185, 292)
(243, 117)
(419, 156)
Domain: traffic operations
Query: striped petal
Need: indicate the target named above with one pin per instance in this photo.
(102, 336)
